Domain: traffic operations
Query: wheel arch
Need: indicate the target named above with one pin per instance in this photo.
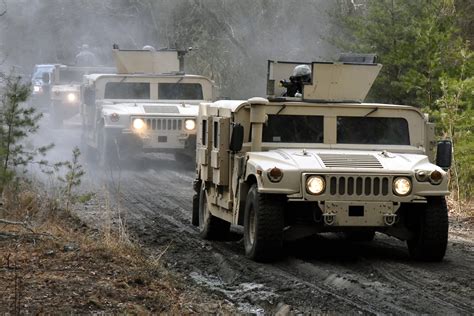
(245, 187)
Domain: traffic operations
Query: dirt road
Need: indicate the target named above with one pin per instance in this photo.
(318, 274)
(322, 273)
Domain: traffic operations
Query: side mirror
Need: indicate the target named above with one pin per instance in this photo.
(237, 138)
(89, 96)
(444, 154)
(45, 77)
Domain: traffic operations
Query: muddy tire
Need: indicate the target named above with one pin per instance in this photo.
(210, 227)
(360, 235)
(107, 152)
(195, 214)
(263, 225)
(431, 232)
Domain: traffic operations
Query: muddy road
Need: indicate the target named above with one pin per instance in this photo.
(319, 274)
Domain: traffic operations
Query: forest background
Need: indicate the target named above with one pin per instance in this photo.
(424, 45)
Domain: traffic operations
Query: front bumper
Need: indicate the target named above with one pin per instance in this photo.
(132, 142)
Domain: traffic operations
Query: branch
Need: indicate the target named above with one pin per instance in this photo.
(23, 224)
(5, 221)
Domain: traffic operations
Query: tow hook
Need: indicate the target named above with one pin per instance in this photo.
(389, 219)
(329, 219)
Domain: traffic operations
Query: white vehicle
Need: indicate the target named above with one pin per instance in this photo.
(65, 99)
(148, 106)
(321, 160)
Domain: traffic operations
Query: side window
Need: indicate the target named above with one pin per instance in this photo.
(127, 90)
(204, 132)
(216, 135)
(294, 129)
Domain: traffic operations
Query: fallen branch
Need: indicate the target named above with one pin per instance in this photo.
(6, 235)
(23, 224)
(5, 221)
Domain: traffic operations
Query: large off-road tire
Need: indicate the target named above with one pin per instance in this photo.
(107, 151)
(366, 236)
(195, 214)
(210, 227)
(431, 231)
(263, 225)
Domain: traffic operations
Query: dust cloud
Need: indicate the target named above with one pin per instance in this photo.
(231, 40)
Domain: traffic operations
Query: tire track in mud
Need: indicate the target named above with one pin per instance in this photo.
(373, 278)
(138, 196)
(433, 283)
(440, 302)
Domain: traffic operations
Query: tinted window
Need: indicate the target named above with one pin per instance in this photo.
(293, 129)
(68, 76)
(127, 90)
(40, 71)
(372, 130)
(180, 91)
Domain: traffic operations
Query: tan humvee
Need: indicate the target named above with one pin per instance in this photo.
(288, 167)
(65, 90)
(150, 105)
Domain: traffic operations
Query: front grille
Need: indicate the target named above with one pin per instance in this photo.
(350, 161)
(358, 185)
(163, 124)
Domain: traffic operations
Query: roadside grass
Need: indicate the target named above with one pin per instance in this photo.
(461, 209)
(51, 262)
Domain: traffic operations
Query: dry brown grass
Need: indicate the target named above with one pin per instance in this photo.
(463, 209)
(57, 264)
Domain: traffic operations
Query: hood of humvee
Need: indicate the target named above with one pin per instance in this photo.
(151, 109)
(331, 160)
(64, 88)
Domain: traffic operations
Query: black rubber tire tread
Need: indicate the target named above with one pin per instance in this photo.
(431, 237)
(364, 236)
(214, 228)
(268, 243)
(195, 214)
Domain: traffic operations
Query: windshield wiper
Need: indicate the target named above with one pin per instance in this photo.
(371, 111)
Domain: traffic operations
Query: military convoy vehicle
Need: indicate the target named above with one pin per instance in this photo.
(65, 98)
(150, 105)
(41, 81)
(320, 161)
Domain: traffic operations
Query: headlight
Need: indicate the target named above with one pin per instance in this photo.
(37, 89)
(189, 125)
(422, 175)
(315, 185)
(138, 124)
(275, 174)
(436, 177)
(71, 97)
(114, 117)
(401, 186)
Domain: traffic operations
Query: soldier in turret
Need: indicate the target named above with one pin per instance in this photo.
(294, 87)
(86, 57)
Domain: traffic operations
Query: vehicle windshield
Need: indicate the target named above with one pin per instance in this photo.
(372, 130)
(39, 71)
(293, 129)
(69, 76)
(127, 90)
(180, 91)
